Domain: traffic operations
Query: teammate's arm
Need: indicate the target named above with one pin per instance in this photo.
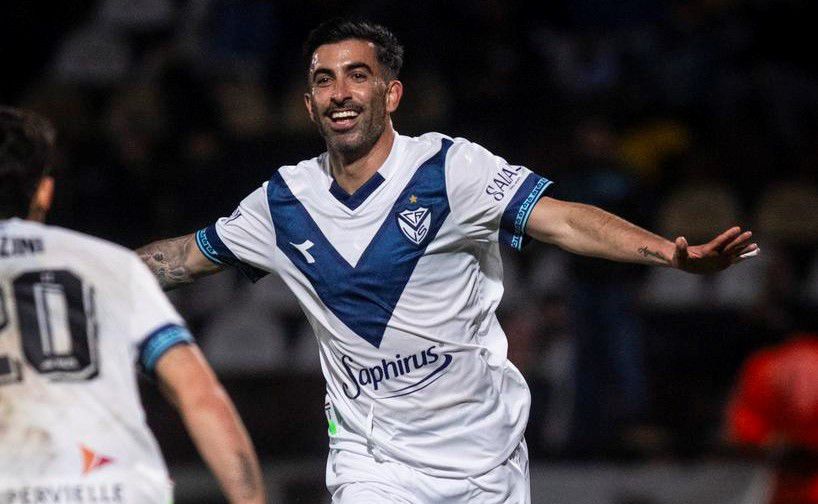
(212, 422)
(177, 261)
(591, 231)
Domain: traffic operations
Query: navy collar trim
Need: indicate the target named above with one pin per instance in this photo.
(354, 200)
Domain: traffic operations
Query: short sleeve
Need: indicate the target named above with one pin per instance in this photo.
(156, 326)
(490, 198)
(244, 239)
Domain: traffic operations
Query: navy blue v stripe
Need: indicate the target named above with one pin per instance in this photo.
(363, 297)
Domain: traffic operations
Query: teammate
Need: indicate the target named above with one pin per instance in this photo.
(76, 316)
(391, 245)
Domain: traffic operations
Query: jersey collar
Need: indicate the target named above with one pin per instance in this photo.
(354, 200)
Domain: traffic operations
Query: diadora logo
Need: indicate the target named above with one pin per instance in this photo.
(92, 460)
(430, 361)
(415, 223)
(304, 249)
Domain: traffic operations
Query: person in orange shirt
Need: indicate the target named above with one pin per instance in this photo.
(775, 408)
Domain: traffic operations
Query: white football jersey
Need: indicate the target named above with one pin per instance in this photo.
(400, 282)
(77, 316)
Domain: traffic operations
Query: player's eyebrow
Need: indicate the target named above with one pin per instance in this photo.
(358, 65)
(322, 71)
(355, 65)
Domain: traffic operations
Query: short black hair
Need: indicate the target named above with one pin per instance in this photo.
(388, 48)
(26, 154)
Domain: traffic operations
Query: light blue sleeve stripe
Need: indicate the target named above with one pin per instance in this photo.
(215, 250)
(524, 213)
(205, 247)
(159, 342)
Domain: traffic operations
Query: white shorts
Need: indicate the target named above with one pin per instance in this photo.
(353, 478)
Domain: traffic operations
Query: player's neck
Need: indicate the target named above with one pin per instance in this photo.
(352, 174)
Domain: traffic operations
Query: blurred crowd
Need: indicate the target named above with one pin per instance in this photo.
(685, 117)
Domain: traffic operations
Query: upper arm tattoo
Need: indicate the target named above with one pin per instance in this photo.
(167, 259)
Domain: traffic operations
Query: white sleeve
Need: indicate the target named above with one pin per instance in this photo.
(491, 199)
(155, 325)
(245, 240)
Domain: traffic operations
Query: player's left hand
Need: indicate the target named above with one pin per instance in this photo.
(728, 248)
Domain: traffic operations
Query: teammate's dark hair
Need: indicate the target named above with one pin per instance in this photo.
(26, 152)
(389, 50)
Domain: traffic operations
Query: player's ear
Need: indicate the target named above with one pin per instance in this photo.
(41, 202)
(394, 92)
(308, 104)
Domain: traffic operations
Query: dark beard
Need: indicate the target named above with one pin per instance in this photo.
(354, 151)
(370, 132)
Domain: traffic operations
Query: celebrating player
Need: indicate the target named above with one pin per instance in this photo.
(391, 244)
(76, 315)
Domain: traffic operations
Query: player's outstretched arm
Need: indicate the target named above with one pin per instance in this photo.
(177, 261)
(591, 231)
(213, 423)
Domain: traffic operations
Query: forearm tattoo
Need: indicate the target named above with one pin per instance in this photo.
(652, 253)
(249, 481)
(166, 259)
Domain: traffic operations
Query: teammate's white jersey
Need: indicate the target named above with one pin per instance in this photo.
(400, 282)
(77, 315)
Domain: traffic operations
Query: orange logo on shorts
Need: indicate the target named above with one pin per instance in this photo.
(92, 460)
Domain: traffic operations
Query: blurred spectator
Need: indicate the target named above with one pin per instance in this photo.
(244, 109)
(259, 330)
(787, 219)
(93, 56)
(698, 205)
(136, 15)
(580, 65)
(775, 408)
(647, 147)
(699, 202)
(243, 36)
(788, 213)
(609, 373)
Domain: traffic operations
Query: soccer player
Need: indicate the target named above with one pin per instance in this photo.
(77, 315)
(391, 245)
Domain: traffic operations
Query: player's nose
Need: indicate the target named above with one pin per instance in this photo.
(340, 91)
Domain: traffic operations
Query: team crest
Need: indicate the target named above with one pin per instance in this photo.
(414, 223)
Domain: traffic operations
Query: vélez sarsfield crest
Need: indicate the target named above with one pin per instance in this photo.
(415, 223)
